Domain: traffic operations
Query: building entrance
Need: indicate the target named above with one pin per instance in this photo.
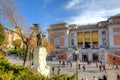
(85, 57)
(87, 45)
(95, 57)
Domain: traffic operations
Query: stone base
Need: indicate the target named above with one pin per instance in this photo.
(40, 66)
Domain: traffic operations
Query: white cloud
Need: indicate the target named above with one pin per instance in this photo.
(92, 11)
(72, 3)
(92, 16)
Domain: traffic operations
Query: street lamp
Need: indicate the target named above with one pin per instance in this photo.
(76, 59)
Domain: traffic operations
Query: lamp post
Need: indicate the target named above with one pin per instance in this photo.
(76, 59)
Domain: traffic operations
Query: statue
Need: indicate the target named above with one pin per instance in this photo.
(39, 39)
(40, 54)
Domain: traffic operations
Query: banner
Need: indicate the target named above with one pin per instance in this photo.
(87, 36)
(94, 36)
(80, 39)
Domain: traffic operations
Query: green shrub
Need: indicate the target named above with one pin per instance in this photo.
(12, 51)
(63, 77)
(2, 53)
(14, 72)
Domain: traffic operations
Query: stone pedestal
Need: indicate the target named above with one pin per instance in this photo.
(40, 66)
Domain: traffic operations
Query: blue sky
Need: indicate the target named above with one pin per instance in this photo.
(46, 12)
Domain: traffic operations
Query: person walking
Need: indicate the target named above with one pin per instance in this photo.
(94, 78)
(84, 67)
(104, 77)
(116, 67)
(59, 61)
(104, 68)
(71, 64)
(59, 70)
(79, 66)
(100, 78)
(53, 70)
(118, 77)
(100, 67)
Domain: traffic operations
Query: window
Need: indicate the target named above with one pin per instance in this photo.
(72, 35)
(103, 32)
(110, 20)
(117, 40)
(72, 42)
(58, 26)
(56, 41)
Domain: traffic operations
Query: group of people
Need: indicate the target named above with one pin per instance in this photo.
(102, 67)
(58, 70)
(97, 78)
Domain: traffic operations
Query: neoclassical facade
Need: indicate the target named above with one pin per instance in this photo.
(95, 42)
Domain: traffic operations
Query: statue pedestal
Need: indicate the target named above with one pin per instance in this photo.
(40, 66)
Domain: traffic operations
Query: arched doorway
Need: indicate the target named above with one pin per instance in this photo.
(95, 57)
(84, 56)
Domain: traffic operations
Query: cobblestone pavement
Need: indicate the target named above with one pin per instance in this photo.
(91, 70)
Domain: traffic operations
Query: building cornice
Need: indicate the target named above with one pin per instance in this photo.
(113, 23)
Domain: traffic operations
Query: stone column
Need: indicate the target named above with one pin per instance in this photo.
(111, 38)
(75, 39)
(66, 39)
(83, 39)
(80, 54)
(99, 37)
(90, 39)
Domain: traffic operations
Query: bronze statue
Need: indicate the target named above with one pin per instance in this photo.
(39, 39)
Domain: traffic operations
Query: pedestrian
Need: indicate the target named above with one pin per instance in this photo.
(59, 70)
(104, 68)
(90, 61)
(53, 70)
(118, 77)
(79, 66)
(86, 78)
(84, 67)
(63, 63)
(71, 64)
(104, 77)
(96, 63)
(94, 78)
(67, 63)
(32, 63)
(116, 67)
(59, 61)
(100, 78)
(17, 57)
(100, 67)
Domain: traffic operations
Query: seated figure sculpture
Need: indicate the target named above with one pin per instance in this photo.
(39, 39)
(40, 54)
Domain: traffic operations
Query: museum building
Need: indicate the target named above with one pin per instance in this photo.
(99, 41)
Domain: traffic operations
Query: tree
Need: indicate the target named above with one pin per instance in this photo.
(2, 34)
(17, 43)
(9, 15)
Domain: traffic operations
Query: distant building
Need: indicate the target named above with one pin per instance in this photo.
(11, 36)
(95, 42)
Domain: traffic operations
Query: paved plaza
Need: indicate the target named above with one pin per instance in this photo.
(91, 70)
